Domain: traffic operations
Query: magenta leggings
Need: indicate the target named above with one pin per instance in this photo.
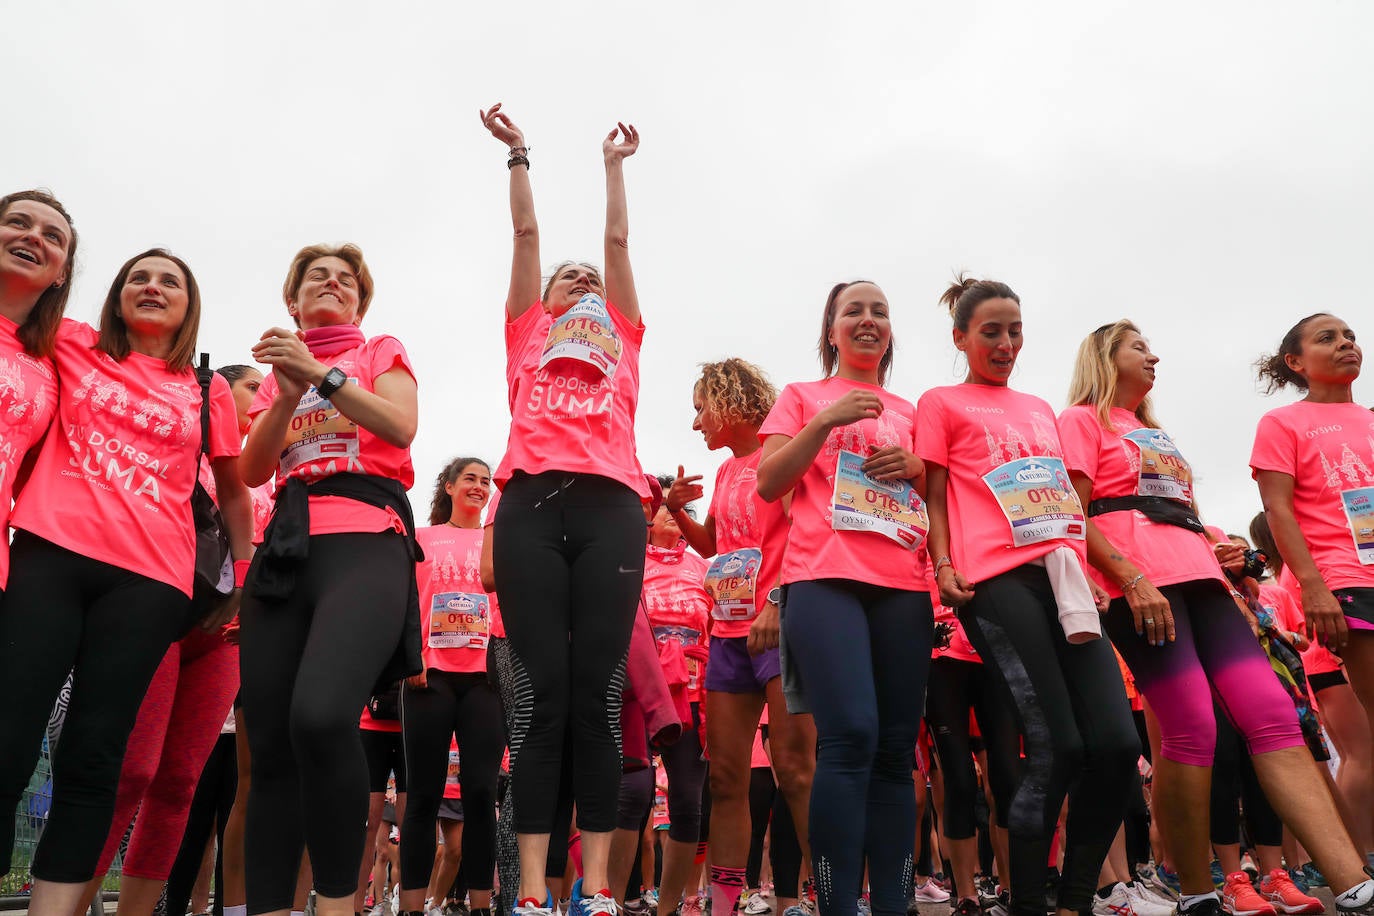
(177, 727)
(1214, 654)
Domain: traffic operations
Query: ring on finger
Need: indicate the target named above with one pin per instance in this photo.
(1150, 621)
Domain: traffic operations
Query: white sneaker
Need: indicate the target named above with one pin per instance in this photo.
(930, 892)
(396, 899)
(378, 910)
(1118, 904)
(1147, 904)
(757, 905)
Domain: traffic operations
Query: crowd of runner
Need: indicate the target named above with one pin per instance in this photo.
(960, 649)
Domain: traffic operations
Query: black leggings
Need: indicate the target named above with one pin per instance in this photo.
(209, 813)
(110, 627)
(568, 551)
(1077, 731)
(468, 707)
(686, 779)
(762, 790)
(863, 653)
(954, 687)
(308, 665)
(1234, 779)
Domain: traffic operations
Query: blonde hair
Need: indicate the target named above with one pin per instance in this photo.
(735, 392)
(349, 253)
(1095, 376)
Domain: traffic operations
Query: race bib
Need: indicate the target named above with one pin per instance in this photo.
(318, 432)
(731, 582)
(1038, 501)
(451, 781)
(1163, 471)
(888, 507)
(585, 333)
(1359, 512)
(458, 620)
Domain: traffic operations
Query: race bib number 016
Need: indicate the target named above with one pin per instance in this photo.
(458, 620)
(1038, 500)
(891, 508)
(731, 583)
(1163, 472)
(584, 333)
(318, 432)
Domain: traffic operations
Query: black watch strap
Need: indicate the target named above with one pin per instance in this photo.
(333, 380)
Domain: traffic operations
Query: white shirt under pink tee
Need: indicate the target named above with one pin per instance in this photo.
(113, 480)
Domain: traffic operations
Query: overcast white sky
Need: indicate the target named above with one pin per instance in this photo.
(1204, 169)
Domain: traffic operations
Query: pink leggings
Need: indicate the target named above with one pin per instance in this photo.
(1214, 654)
(178, 724)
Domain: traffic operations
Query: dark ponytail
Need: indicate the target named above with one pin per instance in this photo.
(1274, 370)
(965, 294)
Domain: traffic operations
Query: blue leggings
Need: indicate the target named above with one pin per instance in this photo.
(862, 653)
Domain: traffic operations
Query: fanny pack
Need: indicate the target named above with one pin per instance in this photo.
(1156, 508)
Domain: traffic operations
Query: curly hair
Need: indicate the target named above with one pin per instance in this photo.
(441, 504)
(735, 391)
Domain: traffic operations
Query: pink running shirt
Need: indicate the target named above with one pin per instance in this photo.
(323, 441)
(369, 724)
(1328, 450)
(455, 612)
(1166, 554)
(498, 626)
(453, 784)
(814, 549)
(28, 400)
(678, 606)
(1316, 658)
(971, 430)
(568, 416)
(114, 480)
(745, 523)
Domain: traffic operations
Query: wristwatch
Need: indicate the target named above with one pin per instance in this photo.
(775, 596)
(333, 380)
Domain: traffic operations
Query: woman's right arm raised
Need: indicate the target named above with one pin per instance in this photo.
(524, 270)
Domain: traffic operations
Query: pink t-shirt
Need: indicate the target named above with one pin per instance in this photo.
(453, 784)
(568, 416)
(745, 524)
(322, 441)
(369, 724)
(455, 611)
(815, 550)
(1166, 554)
(959, 648)
(677, 603)
(114, 480)
(1316, 659)
(1328, 450)
(971, 430)
(28, 400)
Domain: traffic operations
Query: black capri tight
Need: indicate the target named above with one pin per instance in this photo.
(954, 687)
(465, 706)
(308, 665)
(1076, 726)
(1233, 780)
(65, 611)
(686, 779)
(568, 551)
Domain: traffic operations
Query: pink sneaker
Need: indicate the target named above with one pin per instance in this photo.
(1283, 894)
(1240, 898)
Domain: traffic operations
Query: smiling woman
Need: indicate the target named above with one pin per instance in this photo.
(333, 422)
(104, 551)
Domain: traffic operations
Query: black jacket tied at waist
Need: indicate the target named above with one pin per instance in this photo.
(1159, 509)
(286, 545)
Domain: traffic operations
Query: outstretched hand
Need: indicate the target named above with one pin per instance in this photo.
(629, 142)
(501, 126)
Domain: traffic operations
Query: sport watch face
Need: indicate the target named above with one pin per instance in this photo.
(775, 596)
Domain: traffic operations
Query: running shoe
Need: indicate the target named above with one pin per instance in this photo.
(532, 907)
(794, 910)
(865, 907)
(1147, 904)
(1209, 907)
(650, 898)
(1002, 906)
(1117, 903)
(1248, 866)
(1160, 879)
(636, 907)
(1239, 897)
(598, 904)
(1284, 896)
(966, 906)
(808, 897)
(378, 910)
(930, 892)
(691, 906)
(987, 891)
(1218, 876)
(1299, 879)
(1313, 876)
(757, 905)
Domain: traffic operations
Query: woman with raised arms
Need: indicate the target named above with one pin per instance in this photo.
(856, 614)
(569, 534)
(1006, 538)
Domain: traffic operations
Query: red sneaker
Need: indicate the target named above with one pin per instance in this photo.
(1239, 897)
(1283, 894)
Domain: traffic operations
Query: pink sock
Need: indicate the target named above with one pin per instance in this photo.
(726, 886)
